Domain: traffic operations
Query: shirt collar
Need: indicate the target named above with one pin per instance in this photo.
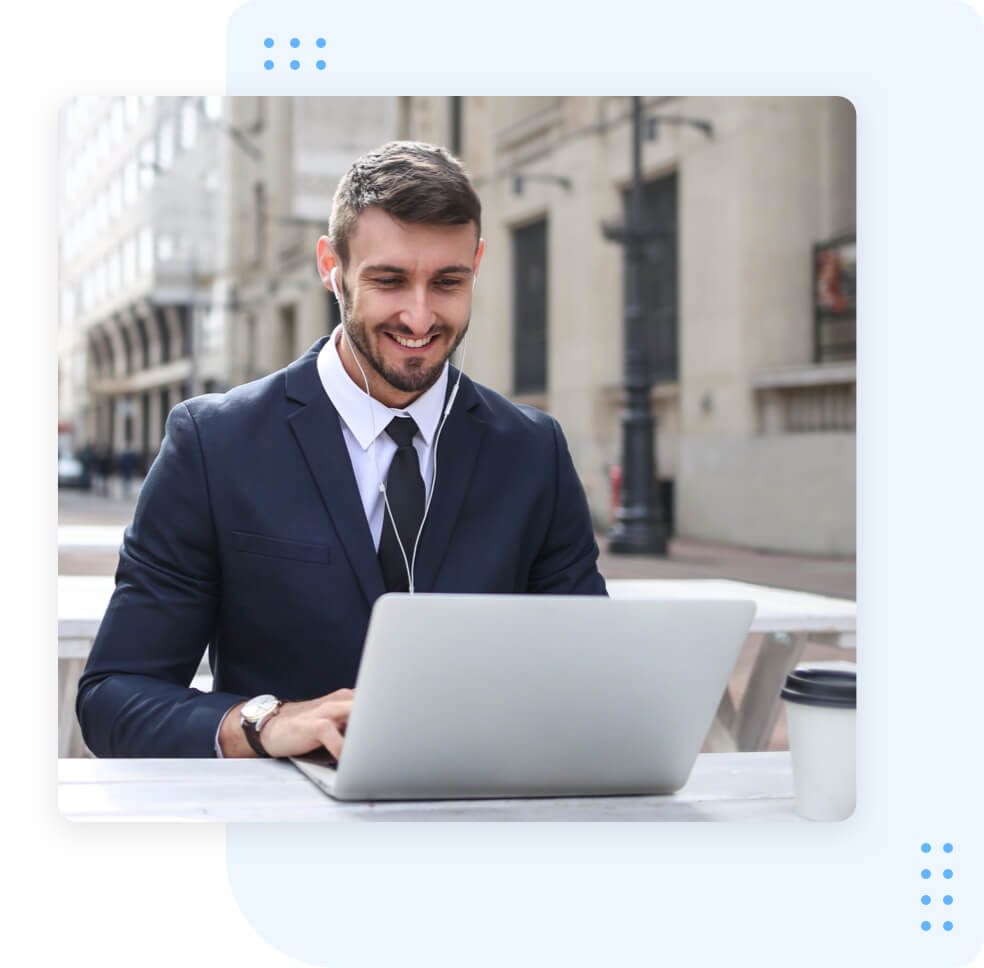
(350, 400)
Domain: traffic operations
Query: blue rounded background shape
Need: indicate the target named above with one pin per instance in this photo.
(948, 848)
(925, 848)
(948, 873)
(268, 65)
(925, 873)
(294, 65)
(947, 925)
(294, 42)
(947, 899)
(320, 42)
(926, 899)
(268, 42)
(320, 65)
(925, 925)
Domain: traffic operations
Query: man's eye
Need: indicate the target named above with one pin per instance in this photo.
(387, 280)
(449, 283)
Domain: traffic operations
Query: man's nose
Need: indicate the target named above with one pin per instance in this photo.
(418, 314)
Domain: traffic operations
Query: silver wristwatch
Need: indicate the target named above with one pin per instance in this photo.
(255, 715)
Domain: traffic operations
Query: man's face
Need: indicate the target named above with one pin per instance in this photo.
(406, 300)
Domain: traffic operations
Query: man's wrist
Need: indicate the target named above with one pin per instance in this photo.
(232, 740)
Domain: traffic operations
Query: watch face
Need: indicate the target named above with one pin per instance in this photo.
(258, 706)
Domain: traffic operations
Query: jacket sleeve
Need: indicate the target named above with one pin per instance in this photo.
(567, 562)
(134, 697)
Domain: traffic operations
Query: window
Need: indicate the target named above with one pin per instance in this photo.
(165, 248)
(115, 195)
(145, 250)
(259, 222)
(530, 308)
(165, 144)
(130, 182)
(147, 163)
(116, 120)
(129, 260)
(189, 124)
(114, 271)
(659, 275)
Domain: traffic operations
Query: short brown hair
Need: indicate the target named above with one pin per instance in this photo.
(409, 180)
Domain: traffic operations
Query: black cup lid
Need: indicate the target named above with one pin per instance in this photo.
(822, 687)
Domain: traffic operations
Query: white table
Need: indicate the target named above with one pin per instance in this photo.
(722, 786)
(784, 620)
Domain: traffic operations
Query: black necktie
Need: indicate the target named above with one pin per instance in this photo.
(405, 491)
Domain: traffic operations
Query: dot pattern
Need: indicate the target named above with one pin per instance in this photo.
(926, 873)
(295, 64)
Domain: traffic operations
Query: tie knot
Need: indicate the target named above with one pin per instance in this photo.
(402, 429)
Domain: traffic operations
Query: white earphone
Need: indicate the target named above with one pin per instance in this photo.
(411, 562)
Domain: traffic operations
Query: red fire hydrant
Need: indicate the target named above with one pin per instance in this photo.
(615, 479)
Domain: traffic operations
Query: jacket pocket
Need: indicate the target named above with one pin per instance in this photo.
(259, 544)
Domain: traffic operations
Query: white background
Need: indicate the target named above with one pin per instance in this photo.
(159, 894)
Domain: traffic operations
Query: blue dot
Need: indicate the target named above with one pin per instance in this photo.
(268, 65)
(948, 848)
(925, 848)
(320, 65)
(294, 65)
(294, 42)
(948, 873)
(925, 925)
(926, 899)
(320, 41)
(268, 42)
(925, 874)
(947, 925)
(947, 898)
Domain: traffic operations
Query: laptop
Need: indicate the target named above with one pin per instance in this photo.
(493, 696)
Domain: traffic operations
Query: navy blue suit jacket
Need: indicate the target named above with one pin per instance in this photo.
(249, 537)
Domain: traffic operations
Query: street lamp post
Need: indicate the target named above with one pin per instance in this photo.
(639, 527)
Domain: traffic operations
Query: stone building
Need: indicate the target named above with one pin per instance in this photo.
(751, 345)
(138, 197)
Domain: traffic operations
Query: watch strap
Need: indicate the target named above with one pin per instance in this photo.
(252, 729)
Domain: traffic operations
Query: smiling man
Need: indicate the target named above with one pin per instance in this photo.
(277, 513)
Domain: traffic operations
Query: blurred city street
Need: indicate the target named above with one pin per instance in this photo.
(90, 526)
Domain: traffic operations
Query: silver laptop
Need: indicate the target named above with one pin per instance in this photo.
(467, 696)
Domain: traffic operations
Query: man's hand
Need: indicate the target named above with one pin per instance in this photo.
(298, 728)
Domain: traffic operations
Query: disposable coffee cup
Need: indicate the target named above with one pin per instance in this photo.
(821, 705)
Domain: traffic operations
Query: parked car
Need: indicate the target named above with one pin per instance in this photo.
(73, 473)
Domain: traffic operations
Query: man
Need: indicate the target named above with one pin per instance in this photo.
(262, 530)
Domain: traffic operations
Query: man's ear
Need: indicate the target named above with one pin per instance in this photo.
(478, 257)
(327, 260)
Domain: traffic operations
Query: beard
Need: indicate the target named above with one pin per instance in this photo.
(416, 375)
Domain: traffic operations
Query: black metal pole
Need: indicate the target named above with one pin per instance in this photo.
(639, 527)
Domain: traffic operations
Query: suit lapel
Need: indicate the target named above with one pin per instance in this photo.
(318, 432)
(457, 456)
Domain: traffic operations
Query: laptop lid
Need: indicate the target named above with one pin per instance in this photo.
(464, 696)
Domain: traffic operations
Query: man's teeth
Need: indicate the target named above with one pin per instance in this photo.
(413, 344)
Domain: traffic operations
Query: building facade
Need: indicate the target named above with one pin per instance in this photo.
(139, 190)
(748, 293)
(754, 381)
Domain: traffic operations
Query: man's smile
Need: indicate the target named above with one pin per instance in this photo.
(412, 344)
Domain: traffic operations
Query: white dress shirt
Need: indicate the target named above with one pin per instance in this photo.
(364, 420)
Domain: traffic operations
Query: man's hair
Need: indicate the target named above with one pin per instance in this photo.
(409, 180)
